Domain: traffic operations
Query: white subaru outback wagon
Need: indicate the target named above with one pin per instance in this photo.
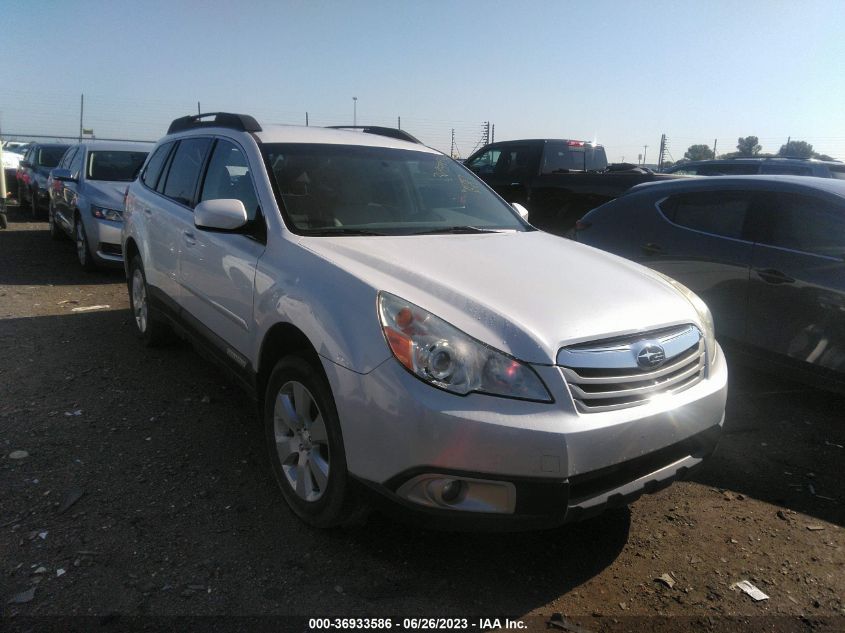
(405, 330)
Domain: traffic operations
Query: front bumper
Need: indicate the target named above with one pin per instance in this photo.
(105, 241)
(559, 464)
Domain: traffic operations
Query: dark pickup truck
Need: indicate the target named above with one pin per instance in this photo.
(558, 181)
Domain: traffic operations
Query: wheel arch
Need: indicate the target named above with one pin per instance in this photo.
(281, 340)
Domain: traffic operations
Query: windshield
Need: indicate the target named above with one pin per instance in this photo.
(352, 190)
(114, 165)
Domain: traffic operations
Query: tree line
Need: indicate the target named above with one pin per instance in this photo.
(749, 147)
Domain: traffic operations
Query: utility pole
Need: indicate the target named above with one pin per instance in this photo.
(452, 151)
(81, 110)
(306, 119)
(715, 140)
(198, 108)
(662, 152)
(485, 133)
(399, 123)
(354, 111)
(645, 150)
(493, 134)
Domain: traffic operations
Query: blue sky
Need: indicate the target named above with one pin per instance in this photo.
(621, 72)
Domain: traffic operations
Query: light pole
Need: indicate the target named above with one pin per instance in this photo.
(354, 111)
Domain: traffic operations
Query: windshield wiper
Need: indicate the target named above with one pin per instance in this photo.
(342, 231)
(456, 230)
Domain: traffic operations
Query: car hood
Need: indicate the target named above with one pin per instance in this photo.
(11, 159)
(526, 293)
(106, 194)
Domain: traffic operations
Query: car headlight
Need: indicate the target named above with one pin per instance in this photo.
(443, 356)
(703, 313)
(106, 214)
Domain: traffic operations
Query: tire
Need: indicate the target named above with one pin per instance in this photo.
(33, 203)
(150, 329)
(305, 444)
(55, 232)
(83, 250)
(22, 202)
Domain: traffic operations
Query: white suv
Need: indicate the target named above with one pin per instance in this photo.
(406, 331)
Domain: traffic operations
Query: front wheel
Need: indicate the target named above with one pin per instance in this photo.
(55, 232)
(33, 203)
(83, 252)
(149, 328)
(306, 448)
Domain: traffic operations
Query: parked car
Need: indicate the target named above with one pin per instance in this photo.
(371, 294)
(557, 180)
(754, 166)
(32, 174)
(11, 163)
(766, 253)
(86, 198)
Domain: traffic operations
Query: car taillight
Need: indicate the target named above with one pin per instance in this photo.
(575, 143)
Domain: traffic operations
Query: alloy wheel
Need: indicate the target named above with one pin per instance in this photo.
(139, 300)
(302, 442)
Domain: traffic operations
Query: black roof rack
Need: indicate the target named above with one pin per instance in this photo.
(391, 132)
(240, 122)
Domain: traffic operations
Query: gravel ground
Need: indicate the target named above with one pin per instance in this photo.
(145, 492)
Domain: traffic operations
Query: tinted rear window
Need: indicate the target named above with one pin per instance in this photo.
(837, 172)
(562, 157)
(717, 212)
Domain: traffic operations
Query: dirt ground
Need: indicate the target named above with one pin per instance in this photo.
(179, 516)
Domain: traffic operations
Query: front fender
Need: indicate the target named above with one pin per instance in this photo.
(335, 310)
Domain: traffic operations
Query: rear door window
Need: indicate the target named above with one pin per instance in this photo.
(837, 172)
(740, 169)
(787, 170)
(155, 165)
(185, 168)
(798, 222)
(715, 212)
(515, 161)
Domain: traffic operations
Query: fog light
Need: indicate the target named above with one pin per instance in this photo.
(451, 491)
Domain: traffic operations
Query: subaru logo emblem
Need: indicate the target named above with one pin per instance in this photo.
(651, 356)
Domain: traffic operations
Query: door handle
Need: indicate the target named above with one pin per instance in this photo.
(189, 238)
(652, 249)
(772, 276)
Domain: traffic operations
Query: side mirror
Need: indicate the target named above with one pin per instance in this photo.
(522, 211)
(224, 214)
(60, 174)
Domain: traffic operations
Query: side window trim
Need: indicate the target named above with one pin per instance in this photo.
(742, 240)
